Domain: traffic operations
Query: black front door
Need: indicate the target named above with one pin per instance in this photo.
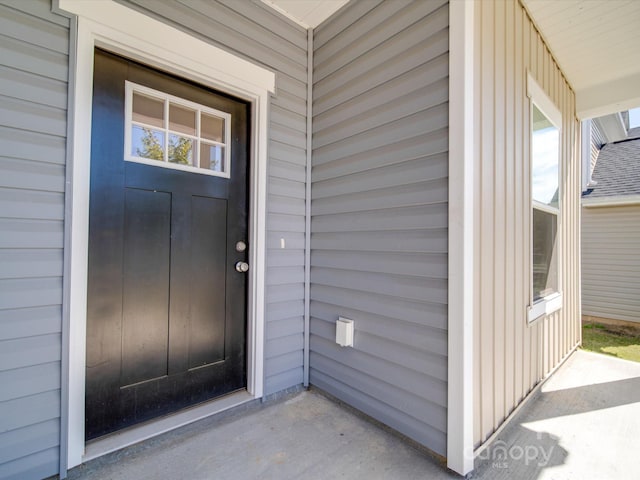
(166, 316)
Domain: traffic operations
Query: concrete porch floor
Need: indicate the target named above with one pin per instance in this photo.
(584, 423)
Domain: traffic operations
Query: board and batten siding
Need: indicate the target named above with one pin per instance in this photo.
(511, 356)
(379, 212)
(34, 46)
(259, 34)
(611, 262)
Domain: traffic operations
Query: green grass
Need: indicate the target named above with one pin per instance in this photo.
(619, 342)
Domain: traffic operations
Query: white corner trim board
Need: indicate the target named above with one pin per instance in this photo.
(461, 239)
(121, 30)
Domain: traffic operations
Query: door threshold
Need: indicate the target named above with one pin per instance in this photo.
(118, 440)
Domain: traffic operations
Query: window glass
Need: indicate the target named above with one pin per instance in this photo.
(545, 195)
(212, 128)
(212, 157)
(545, 274)
(147, 110)
(182, 120)
(147, 143)
(175, 132)
(544, 150)
(180, 150)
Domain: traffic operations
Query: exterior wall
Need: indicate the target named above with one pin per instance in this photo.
(510, 356)
(34, 44)
(379, 212)
(598, 139)
(256, 32)
(611, 262)
(34, 65)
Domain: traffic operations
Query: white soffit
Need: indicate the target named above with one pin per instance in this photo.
(308, 13)
(596, 43)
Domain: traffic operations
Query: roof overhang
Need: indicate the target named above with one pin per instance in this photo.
(613, 201)
(595, 42)
(612, 126)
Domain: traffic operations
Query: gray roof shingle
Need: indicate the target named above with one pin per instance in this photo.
(618, 168)
(633, 132)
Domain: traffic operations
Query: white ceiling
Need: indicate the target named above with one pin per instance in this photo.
(308, 13)
(597, 44)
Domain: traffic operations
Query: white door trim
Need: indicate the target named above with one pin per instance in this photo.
(106, 24)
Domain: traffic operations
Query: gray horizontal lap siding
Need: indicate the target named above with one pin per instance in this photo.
(258, 33)
(380, 212)
(611, 262)
(34, 45)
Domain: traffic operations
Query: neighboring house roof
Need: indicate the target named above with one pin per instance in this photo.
(618, 168)
(633, 133)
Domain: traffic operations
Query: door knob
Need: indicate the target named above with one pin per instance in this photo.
(242, 267)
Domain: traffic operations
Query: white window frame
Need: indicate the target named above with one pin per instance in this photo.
(553, 302)
(131, 88)
(124, 31)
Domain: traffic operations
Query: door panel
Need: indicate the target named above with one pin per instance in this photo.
(166, 310)
(145, 338)
(208, 250)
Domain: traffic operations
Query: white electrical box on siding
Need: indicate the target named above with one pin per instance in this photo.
(344, 332)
